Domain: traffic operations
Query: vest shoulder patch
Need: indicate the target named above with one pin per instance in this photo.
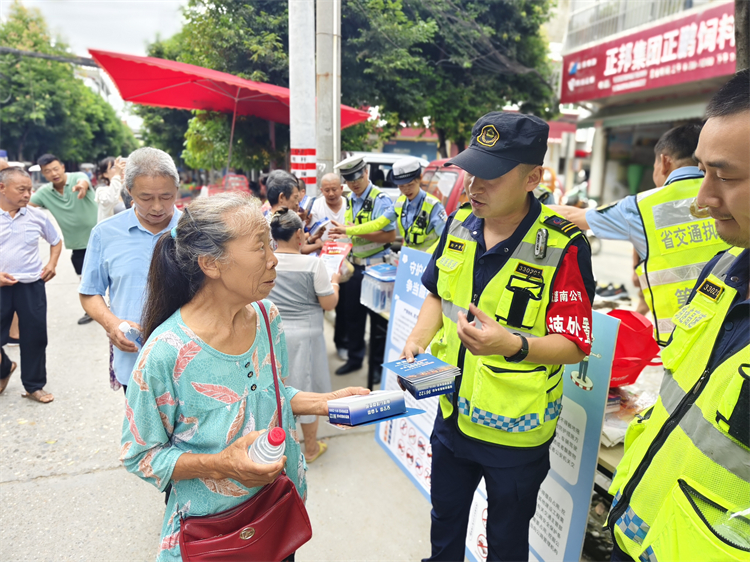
(563, 225)
(456, 246)
(529, 271)
(711, 290)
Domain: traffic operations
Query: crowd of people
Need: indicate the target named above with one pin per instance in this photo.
(229, 296)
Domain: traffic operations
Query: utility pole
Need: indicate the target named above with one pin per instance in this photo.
(328, 47)
(302, 91)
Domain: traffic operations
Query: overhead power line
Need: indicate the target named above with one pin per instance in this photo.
(81, 61)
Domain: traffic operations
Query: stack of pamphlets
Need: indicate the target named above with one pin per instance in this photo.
(426, 376)
(355, 410)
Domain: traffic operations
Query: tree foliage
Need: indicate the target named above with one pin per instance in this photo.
(449, 60)
(457, 59)
(46, 108)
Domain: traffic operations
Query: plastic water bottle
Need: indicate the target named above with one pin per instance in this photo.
(133, 334)
(269, 447)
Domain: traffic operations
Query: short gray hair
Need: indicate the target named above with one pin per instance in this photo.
(11, 172)
(280, 182)
(150, 162)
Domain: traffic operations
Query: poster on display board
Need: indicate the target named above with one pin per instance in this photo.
(559, 525)
(407, 440)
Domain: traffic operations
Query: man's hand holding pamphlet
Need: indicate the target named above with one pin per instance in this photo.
(426, 376)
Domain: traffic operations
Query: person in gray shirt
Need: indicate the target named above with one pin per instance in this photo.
(302, 292)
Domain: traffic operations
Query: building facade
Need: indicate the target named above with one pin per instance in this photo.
(642, 68)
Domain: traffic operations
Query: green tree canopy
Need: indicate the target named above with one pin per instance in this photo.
(46, 108)
(449, 60)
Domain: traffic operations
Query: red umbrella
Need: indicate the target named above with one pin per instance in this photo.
(166, 83)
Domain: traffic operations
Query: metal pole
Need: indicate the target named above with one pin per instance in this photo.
(231, 135)
(302, 90)
(336, 81)
(325, 78)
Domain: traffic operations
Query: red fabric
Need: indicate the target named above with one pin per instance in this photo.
(166, 83)
(569, 313)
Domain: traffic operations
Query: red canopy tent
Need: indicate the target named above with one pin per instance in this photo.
(166, 83)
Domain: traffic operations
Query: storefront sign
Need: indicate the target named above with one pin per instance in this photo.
(694, 47)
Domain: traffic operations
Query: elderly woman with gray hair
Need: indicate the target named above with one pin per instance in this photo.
(302, 292)
(204, 386)
(119, 253)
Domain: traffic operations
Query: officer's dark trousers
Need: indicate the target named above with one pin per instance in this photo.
(511, 495)
(351, 320)
(29, 301)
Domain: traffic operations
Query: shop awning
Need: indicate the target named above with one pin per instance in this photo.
(655, 112)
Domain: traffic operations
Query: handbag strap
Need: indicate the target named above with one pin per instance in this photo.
(273, 360)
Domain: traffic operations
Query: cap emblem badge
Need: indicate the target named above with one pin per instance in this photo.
(489, 136)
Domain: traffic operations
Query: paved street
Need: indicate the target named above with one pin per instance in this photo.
(64, 495)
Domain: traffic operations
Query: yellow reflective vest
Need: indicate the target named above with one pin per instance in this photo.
(361, 247)
(687, 459)
(678, 245)
(419, 235)
(507, 404)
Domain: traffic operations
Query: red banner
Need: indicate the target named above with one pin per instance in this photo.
(689, 48)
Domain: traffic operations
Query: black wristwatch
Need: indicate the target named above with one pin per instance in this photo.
(524, 351)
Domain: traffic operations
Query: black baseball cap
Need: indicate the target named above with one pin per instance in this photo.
(501, 141)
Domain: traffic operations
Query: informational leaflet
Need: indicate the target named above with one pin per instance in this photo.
(559, 525)
(333, 254)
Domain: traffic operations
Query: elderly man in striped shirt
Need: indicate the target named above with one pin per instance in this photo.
(22, 279)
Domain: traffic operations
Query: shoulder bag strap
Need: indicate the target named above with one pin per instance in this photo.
(273, 360)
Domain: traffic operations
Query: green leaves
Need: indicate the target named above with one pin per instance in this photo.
(448, 60)
(49, 109)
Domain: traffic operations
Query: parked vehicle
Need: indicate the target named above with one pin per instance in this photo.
(579, 197)
(379, 165)
(447, 184)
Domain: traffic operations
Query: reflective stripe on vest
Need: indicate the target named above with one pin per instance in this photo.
(508, 404)
(361, 247)
(417, 237)
(688, 464)
(678, 247)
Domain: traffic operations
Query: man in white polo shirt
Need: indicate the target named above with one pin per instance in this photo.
(22, 279)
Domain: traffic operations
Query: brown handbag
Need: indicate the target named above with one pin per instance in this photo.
(268, 527)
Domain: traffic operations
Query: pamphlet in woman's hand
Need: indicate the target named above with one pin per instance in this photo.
(333, 254)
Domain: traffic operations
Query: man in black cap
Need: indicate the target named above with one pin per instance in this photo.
(510, 291)
(364, 204)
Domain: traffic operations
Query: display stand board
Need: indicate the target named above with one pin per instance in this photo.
(559, 525)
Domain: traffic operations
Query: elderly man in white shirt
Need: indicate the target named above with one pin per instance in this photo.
(22, 279)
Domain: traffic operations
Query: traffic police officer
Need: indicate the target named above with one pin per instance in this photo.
(672, 245)
(420, 217)
(365, 203)
(686, 468)
(495, 310)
